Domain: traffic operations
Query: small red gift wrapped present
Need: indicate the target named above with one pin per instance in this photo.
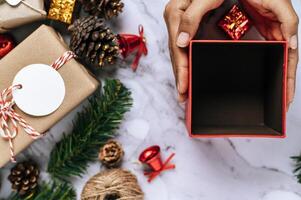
(235, 23)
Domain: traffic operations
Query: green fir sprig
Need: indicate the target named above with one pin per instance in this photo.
(55, 190)
(96, 124)
(297, 170)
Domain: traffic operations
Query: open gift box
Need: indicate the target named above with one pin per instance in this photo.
(237, 88)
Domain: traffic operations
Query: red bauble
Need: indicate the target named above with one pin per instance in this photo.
(6, 44)
(235, 23)
(129, 43)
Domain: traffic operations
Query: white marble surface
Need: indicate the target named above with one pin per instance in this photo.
(207, 169)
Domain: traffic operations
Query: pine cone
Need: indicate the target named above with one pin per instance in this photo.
(24, 178)
(92, 41)
(102, 8)
(111, 154)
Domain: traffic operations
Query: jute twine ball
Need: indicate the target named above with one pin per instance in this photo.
(115, 184)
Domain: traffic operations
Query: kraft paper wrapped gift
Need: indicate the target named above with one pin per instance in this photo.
(25, 12)
(43, 46)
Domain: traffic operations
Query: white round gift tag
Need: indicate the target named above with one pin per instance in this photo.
(42, 92)
(13, 2)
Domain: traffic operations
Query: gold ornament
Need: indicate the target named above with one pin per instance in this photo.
(61, 10)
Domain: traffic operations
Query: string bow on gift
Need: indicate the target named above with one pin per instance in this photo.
(8, 114)
(10, 120)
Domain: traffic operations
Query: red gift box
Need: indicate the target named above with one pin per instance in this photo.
(237, 88)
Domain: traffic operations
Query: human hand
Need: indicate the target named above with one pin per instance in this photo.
(182, 18)
(277, 20)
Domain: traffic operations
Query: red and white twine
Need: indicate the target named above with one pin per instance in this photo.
(68, 55)
(10, 120)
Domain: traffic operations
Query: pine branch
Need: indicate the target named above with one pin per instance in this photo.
(51, 191)
(96, 124)
(297, 170)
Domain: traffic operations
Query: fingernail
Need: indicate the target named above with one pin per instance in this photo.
(183, 39)
(293, 42)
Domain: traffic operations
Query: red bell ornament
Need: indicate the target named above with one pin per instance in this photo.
(152, 158)
(6, 44)
(130, 43)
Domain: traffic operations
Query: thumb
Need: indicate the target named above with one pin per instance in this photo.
(290, 33)
(288, 18)
(289, 29)
(191, 19)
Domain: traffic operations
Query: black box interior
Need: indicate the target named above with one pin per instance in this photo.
(237, 88)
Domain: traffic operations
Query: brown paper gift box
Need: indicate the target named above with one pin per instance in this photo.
(43, 46)
(11, 17)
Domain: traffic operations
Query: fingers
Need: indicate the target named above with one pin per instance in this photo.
(276, 31)
(181, 63)
(264, 20)
(183, 18)
(289, 26)
(172, 15)
(291, 76)
(188, 26)
(288, 18)
(191, 19)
